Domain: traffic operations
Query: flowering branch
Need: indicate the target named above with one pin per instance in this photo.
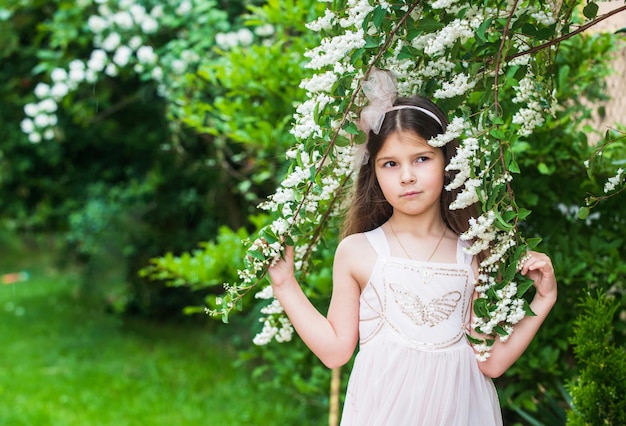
(453, 53)
(567, 36)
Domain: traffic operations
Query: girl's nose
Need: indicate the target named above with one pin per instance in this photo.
(407, 175)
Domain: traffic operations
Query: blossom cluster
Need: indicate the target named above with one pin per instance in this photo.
(243, 37)
(614, 181)
(124, 40)
(120, 39)
(296, 212)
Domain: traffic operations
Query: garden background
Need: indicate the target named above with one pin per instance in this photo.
(138, 138)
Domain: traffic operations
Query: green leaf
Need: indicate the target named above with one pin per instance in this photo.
(532, 243)
(481, 307)
(341, 140)
(523, 213)
(351, 128)
(497, 134)
(543, 169)
(256, 254)
(482, 29)
(513, 166)
(429, 25)
(500, 330)
(523, 285)
(379, 16)
(473, 340)
(583, 212)
(590, 10)
(527, 310)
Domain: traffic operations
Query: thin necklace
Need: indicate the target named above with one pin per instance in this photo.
(407, 253)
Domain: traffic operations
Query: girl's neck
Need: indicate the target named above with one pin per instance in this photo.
(421, 226)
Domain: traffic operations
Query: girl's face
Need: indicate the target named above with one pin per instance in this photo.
(410, 173)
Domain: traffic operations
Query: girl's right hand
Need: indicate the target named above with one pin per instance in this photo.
(282, 272)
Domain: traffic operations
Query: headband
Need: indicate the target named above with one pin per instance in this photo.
(380, 90)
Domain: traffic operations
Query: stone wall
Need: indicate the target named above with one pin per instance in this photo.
(616, 106)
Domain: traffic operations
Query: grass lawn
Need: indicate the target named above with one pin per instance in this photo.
(64, 361)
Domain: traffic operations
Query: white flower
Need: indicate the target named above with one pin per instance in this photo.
(544, 18)
(273, 308)
(91, 76)
(280, 227)
(529, 118)
(320, 82)
(435, 44)
(146, 55)
(442, 4)
(453, 131)
(122, 56)
(42, 90)
(137, 11)
(612, 182)
(157, 74)
(178, 66)
(48, 105)
(31, 109)
(358, 11)
(27, 125)
(111, 42)
(189, 55)
(184, 8)
(157, 11)
(225, 41)
(266, 293)
(459, 85)
(264, 30)
(97, 24)
(468, 196)
(135, 42)
(76, 76)
(41, 120)
(59, 90)
(48, 134)
(58, 75)
(98, 60)
(245, 37)
(34, 137)
(77, 64)
(332, 50)
(111, 70)
(149, 25)
(123, 20)
(323, 22)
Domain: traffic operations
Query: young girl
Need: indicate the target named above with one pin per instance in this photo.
(403, 289)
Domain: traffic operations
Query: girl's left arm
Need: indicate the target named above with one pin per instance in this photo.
(537, 267)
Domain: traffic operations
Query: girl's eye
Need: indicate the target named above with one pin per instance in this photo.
(421, 159)
(389, 164)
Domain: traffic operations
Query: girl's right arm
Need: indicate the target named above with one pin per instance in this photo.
(332, 338)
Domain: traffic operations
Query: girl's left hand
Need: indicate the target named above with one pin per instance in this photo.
(538, 267)
(282, 271)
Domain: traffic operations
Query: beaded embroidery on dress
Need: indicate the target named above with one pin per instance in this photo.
(415, 365)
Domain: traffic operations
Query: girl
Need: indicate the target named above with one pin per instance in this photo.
(403, 288)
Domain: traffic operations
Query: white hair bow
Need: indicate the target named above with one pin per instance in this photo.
(380, 90)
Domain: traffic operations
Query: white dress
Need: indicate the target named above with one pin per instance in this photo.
(415, 365)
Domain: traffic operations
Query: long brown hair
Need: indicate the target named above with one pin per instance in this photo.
(368, 208)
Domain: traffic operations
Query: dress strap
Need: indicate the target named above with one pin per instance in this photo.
(378, 240)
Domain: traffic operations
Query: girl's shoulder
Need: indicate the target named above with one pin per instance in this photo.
(356, 255)
(354, 243)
